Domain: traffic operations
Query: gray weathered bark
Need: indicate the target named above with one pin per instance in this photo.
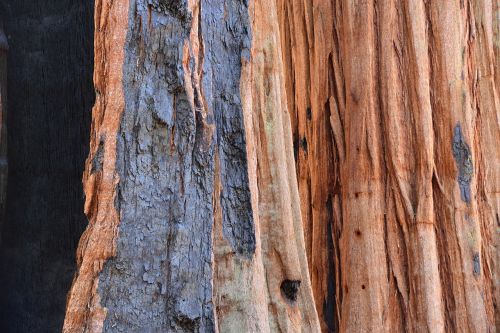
(166, 160)
(190, 185)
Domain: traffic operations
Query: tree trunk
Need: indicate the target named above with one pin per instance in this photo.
(191, 194)
(4, 48)
(201, 220)
(395, 119)
(50, 94)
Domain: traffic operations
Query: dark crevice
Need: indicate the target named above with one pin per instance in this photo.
(304, 144)
(290, 289)
(98, 159)
(330, 305)
(296, 149)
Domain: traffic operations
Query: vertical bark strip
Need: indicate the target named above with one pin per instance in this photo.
(192, 225)
(84, 312)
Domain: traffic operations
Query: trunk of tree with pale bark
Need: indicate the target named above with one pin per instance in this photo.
(291, 166)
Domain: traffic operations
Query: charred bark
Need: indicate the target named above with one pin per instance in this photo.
(194, 222)
(4, 48)
(50, 95)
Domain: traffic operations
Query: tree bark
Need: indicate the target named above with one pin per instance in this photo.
(50, 95)
(194, 221)
(395, 119)
(4, 48)
(201, 220)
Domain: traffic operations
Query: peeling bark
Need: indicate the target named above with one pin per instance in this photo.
(398, 102)
(262, 166)
(193, 227)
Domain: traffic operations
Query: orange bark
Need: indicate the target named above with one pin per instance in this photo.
(84, 312)
(388, 218)
(385, 93)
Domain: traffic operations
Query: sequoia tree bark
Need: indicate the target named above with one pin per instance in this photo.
(50, 94)
(191, 192)
(4, 48)
(201, 220)
(395, 117)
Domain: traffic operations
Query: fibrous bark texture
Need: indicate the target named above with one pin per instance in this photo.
(50, 95)
(191, 193)
(395, 118)
(200, 218)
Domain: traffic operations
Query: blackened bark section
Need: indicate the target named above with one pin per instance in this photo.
(290, 289)
(50, 98)
(330, 304)
(160, 279)
(175, 8)
(4, 48)
(463, 158)
(227, 38)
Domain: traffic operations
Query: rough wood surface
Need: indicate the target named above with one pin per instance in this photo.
(201, 219)
(190, 185)
(395, 119)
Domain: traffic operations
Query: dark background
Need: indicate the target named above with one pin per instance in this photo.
(50, 96)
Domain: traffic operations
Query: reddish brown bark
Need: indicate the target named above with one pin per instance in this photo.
(398, 104)
(388, 218)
